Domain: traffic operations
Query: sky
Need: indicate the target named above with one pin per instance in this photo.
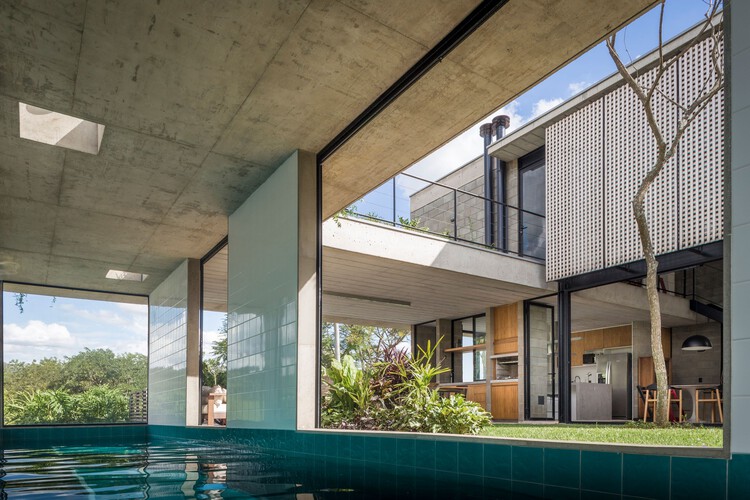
(66, 326)
(633, 41)
(63, 327)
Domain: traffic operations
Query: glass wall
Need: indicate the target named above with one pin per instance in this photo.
(541, 362)
(73, 357)
(214, 327)
(469, 342)
(532, 178)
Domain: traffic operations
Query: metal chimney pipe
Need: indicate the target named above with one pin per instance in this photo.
(499, 125)
(485, 131)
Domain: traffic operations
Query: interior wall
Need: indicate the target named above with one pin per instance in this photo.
(168, 349)
(264, 235)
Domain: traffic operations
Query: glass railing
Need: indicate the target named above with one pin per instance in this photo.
(458, 214)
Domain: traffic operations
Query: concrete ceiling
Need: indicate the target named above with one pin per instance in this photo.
(520, 45)
(201, 101)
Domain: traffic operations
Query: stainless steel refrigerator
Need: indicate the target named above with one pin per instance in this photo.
(616, 370)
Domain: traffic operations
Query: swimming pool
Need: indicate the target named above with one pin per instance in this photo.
(198, 470)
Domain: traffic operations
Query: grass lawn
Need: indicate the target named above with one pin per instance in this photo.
(621, 434)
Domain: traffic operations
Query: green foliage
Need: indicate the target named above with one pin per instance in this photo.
(39, 407)
(96, 405)
(412, 224)
(365, 344)
(214, 366)
(396, 394)
(91, 386)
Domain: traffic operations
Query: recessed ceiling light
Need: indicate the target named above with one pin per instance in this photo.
(57, 129)
(125, 275)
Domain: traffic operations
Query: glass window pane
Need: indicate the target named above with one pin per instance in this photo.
(73, 357)
(214, 323)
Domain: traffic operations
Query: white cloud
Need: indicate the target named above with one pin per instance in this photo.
(576, 87)
(38, 334)
(543, 105)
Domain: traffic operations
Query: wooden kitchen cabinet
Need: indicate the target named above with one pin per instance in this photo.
(593, 340)
(618, 336)
(506, 328)
(505, 401)
(477, 393)
(576, 352)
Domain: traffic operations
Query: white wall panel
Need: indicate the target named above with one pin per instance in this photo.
(574, 189)
(597, 157)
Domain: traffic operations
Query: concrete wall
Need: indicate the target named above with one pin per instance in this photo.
(167, 378)
(264, 285)
(689, 366)
(739, 225)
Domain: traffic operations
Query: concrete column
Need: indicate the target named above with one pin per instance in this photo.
(308, 328)
(193, 353)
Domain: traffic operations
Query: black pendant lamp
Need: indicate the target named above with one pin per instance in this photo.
(697, 343)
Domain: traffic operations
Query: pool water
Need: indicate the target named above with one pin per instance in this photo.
(192, 470)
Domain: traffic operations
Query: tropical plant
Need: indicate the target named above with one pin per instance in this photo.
(99, 405)
(396, 394)
(39, 407)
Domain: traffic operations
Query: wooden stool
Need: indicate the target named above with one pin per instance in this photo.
(710, 395)
(674, 396)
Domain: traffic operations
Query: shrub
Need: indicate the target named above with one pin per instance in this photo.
(397, 395)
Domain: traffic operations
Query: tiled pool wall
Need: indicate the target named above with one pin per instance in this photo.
(482, 467)
(100, 435)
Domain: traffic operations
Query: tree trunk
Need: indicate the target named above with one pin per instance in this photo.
(661, 415)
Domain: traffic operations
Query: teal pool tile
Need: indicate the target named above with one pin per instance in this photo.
(357, 447)
(471, 458)
(497, 459)
(698, 478)
(523, 490)
(344, 446)
(598, 495)
(447, 484)
(601, 471)
(471, 486)
(446, 456)
(562, 468)
(406, 452)
(739, 476)
(425, 454)
(372, 449)
(646, 476)
(561, 493)
(497, 488)
(528, 464)
(388, 450)
(331, 448)
(406, 482)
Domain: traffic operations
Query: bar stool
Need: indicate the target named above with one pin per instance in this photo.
(712, 396)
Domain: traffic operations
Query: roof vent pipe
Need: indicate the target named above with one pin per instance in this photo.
(485, 131)
(499, 125)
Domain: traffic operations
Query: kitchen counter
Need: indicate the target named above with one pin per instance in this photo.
(590, 401)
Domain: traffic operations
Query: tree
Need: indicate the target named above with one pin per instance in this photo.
(214, 366)
(666, 147)
(365, 344)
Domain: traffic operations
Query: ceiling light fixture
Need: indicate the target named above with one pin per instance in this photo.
(697, 343)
